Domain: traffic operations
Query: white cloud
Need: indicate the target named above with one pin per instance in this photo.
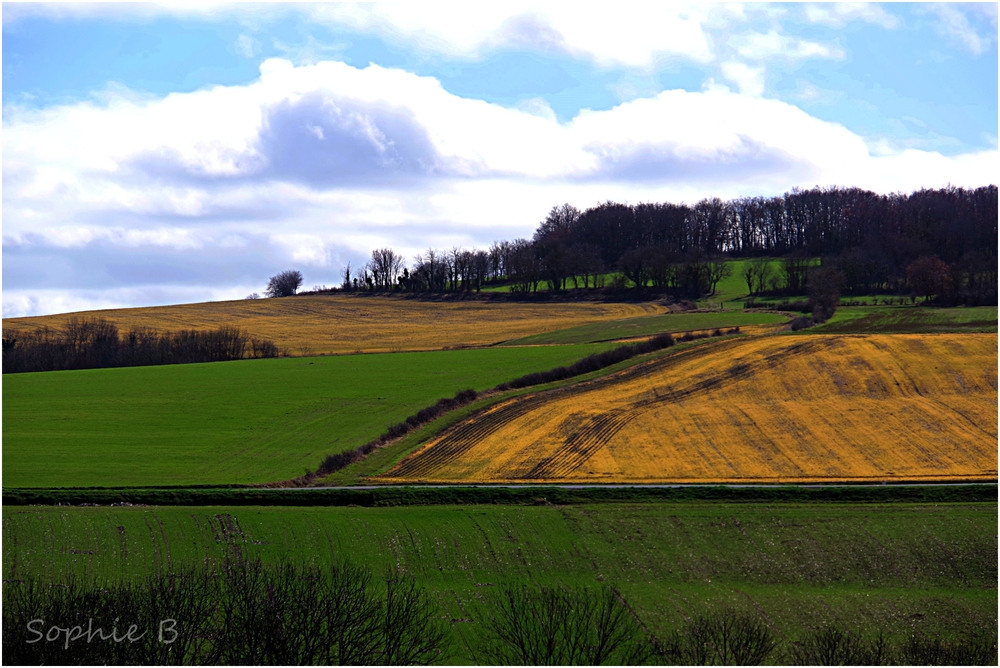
(537, 106)
(837, 15)
(316, 165)
(749, 80)
(953, 22)
(17, 303)
(634, 35)
(770, 45)
(631, 35)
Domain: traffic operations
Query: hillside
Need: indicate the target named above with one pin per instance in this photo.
(769, 409)
(249, 421)
(336, 324)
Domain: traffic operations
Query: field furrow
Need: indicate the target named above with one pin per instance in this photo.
(768, 409)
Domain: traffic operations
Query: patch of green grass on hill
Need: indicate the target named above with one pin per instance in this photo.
(231, 422)
(647, 326)
(899, 567)
(732, 292)
(909, 319)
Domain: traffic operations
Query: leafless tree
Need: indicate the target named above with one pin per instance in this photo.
(284, 284)
(384, 266)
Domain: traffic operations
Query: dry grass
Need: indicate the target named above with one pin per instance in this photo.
(347, 324)
(765, 409)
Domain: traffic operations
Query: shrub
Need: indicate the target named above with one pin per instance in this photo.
(554, 626)
(979, 648)
(831, 646)
(801, 323)
(726, 638)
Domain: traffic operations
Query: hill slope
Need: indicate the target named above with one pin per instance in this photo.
(247, 421)
(350, 323)
(769, 409)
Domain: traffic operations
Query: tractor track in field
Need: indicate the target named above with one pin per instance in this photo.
(590, 432)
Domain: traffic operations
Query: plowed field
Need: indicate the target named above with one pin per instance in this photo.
(767, 409)
(347, 324)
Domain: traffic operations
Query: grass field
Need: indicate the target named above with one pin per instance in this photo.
(361, 323)
(909, 319)
(899, 568)
(764, 409)
(610, 330)
(230, 422)
(732, 292)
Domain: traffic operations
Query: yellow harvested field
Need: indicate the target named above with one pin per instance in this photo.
(762, 409)
(353, 323)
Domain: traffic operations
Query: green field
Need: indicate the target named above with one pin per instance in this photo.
(897, 567)
(648, 325)
(909, 319)
(732, 292)
(230, 422)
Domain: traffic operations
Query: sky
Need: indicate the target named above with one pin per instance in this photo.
(158, 154)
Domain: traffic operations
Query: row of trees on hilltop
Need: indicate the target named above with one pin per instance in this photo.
(941, 242)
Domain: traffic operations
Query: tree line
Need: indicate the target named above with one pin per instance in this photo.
(939, 242)
(97, 343)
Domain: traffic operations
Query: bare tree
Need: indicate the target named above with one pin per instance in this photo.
(385, 265)
(548, 626)
(928, 275)
(346, 273)
(430, 270)
(762, 271)
(718, 269)
(523, 267)
(284, 284)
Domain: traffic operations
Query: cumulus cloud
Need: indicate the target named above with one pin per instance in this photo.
(631, 35)
(749, 80)
(314, 166)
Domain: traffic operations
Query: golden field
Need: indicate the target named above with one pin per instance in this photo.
(347, 324)
(756, 409)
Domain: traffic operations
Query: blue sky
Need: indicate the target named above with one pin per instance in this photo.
(155, 154)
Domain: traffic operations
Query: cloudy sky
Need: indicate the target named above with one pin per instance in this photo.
(177, 153)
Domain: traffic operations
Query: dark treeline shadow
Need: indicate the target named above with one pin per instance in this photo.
(97, 343)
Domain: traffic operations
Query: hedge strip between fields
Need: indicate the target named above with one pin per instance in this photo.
(406, 496)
